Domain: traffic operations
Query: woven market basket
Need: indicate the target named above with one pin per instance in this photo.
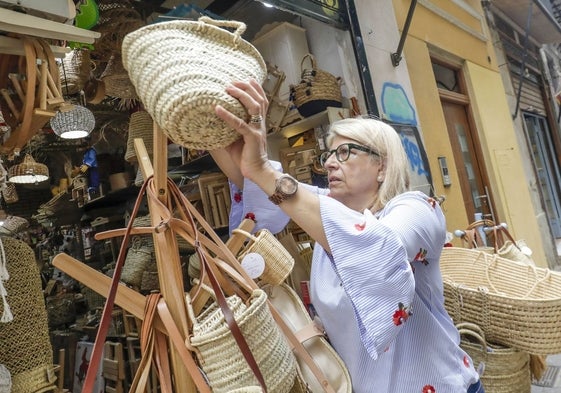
(220, 356)
(75, 70)
(316, 91)
(141, 126)
(517, 305)
(278, 261)
(180, 70)
(25, 346)
(504, 370)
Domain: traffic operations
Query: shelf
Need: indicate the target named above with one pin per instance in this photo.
(328, 116)
(17, 22)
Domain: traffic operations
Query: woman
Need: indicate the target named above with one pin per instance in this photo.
(375, 279)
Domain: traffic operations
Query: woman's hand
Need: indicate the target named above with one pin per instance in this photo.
(250, 152)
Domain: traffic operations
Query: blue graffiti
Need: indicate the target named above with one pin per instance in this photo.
(396, 105)
(414, 156)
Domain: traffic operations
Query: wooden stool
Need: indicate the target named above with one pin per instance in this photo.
(114, 367)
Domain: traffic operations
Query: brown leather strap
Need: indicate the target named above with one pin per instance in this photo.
(101, 335)
(206, 266)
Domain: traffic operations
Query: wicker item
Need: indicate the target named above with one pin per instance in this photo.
(180, 70)
(117, 81)
(13, 225)
(75, 70)
(504, 370)
(278, 261)
(141, 126)
(28, 171)
(316, 91)
(10, 193)
(140, 256)
(220, 357)
(517, 305)
(25, 346)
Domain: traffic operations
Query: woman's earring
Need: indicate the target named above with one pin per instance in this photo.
(380, 178)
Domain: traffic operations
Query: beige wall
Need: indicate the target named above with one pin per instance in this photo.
(444, 28)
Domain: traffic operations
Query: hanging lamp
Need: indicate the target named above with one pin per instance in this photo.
(28, 171)
(73, 121)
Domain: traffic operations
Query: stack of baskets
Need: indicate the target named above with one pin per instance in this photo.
(516, 306)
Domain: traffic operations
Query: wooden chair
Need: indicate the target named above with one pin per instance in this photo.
(114, 367)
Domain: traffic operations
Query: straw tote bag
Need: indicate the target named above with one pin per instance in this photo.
(317, 89)
(180, 70)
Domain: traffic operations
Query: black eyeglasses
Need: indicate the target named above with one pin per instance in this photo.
(343, 152)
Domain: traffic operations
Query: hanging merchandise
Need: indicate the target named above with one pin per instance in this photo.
(181, 69)
(25, 346)
(317, 90)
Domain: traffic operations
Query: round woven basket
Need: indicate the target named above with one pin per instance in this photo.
(506, 370)
(317, 89)
(181, 69)
(278, 261)
(220, 356)
(517, 305)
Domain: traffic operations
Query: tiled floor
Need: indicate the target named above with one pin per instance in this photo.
(554, 374)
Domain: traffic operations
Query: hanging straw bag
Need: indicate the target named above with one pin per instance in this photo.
(503, 369)
(278, 261)
(181, 70)
(140, 256)
(317, 89)
(517, 305)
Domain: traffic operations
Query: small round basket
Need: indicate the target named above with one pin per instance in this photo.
(278, 261)
(181, 69)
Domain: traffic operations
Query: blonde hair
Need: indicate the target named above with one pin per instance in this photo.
(382, 138)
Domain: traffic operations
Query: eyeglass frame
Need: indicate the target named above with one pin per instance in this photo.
(350, 146)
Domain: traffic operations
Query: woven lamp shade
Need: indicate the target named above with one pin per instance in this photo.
(73, 121)
(28, 171)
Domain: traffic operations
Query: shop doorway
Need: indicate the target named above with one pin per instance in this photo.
(473, 178)
(546, 167)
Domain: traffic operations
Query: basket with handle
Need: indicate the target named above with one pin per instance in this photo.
(278, 261)
(517, 305)
(180, 70)
(317, 89)
(503, 369)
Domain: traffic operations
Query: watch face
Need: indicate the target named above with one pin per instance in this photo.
(288, 185)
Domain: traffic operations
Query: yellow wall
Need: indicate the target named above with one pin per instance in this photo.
(431, 33)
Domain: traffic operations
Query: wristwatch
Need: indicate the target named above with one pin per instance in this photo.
(285, 188)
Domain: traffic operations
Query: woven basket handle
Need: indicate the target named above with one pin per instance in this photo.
(245, 233)
(239, 26)
(312, 60)
(477, 336)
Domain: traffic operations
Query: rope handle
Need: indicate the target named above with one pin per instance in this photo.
(481, 340)
(537, 281)
(238, 26)
(312, 60)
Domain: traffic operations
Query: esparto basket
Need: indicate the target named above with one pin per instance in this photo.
(317, 90)
(504, 369)
(278, 261)
(180, 70)
(221, 358)
(517, 305)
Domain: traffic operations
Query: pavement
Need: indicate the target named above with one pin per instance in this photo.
(551, 380)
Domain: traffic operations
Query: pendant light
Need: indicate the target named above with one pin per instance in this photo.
(28, 172)
(73, 121)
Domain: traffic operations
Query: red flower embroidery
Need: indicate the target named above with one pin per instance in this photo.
(432, 202)
(401, 314)
(250, 216)
(238, 197)
(421, 255)
(429, 389)
(360, 227)
(466, 361)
